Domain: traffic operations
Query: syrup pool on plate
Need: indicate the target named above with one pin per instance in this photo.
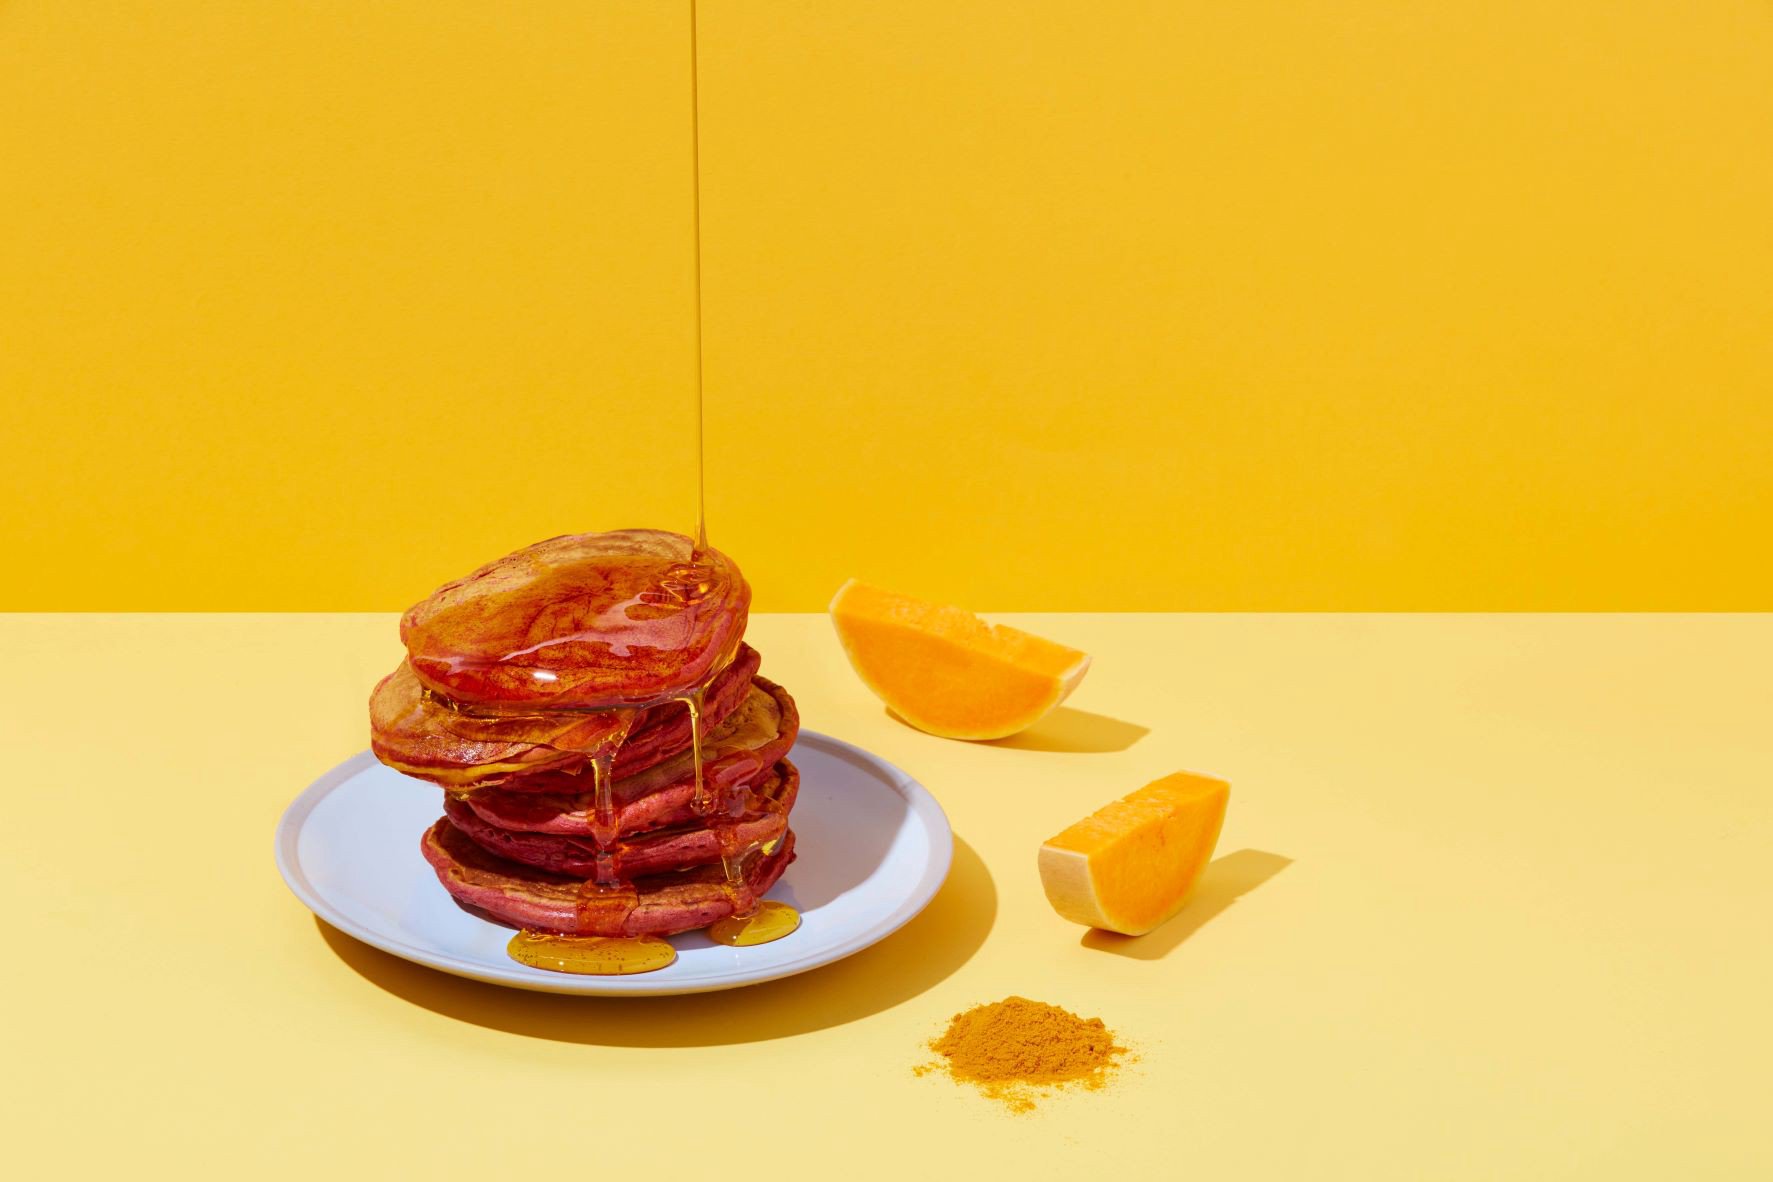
(603, 956)
(770, 921)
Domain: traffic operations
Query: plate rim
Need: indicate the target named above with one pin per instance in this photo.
(924, 808)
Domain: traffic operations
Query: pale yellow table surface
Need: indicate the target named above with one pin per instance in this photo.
(1492, 901)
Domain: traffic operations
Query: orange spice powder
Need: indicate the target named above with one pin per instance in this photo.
(1016, 1050)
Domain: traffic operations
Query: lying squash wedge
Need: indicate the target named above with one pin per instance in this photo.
(946, 671)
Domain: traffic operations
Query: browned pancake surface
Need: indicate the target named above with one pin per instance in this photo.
(659, 905)
(584, 620)
(753, 738)
(757, 817)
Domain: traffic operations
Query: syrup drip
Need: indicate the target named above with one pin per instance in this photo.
(605, 905)
(732, 863)
(592, 955)
(770, 921)
(603, 794)
(694, 701)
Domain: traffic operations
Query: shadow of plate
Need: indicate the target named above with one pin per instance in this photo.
(918, 956)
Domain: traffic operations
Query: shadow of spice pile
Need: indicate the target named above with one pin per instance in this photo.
(1015, 1050)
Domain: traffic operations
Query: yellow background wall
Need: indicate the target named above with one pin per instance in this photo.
(1095, 304)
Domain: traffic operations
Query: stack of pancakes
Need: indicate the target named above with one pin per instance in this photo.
(549, 694)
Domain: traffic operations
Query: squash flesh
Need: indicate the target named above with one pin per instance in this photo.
(1130, 866)
(947, 672)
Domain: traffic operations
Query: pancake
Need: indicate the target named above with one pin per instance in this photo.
(758, 817)
(412, 732)
(752, 739)
(657, 905)
(584, 620)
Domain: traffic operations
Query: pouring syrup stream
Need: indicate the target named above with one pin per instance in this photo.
(603, 892)
(696, 222)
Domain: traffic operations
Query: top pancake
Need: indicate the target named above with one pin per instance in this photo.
(624, 618)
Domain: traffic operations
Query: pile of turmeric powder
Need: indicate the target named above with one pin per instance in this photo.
(1016, 1050)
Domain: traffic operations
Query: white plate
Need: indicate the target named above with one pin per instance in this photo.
(873, 848)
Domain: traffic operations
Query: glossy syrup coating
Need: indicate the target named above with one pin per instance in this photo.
(582, 621)
(416, 732)
(746, 745)
(543, 674)
(751, 818)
